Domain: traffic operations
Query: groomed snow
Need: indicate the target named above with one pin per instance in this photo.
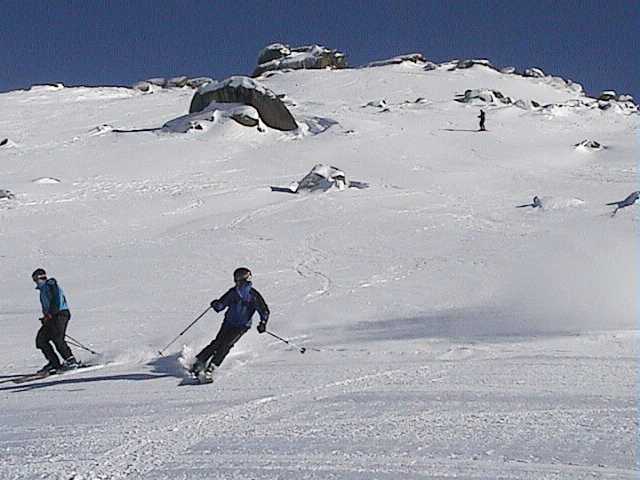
(448, 334)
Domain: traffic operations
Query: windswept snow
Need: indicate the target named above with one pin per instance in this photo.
(448, 334)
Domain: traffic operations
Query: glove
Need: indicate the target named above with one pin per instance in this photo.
(262, 326)
(46, 318)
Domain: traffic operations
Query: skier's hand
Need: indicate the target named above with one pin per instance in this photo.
(262, 327)
(46, 318)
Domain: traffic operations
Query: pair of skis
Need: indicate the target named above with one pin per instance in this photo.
(30, 377)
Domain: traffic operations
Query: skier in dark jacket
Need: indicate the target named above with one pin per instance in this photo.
(241, 302)
(482, 118)
(54, 321)
(627, 202)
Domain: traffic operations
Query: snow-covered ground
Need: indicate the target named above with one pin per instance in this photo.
(449, 334)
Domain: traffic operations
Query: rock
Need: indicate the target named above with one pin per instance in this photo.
(589, 145)
(246, 91)
(46, 181)
(626, 98)
(428, 66)
(246, 115)
(534, 73)
(158, 82)
(526, 104)
(142, 86)
(608, 95)
(198, 82)
(308, 57)
(377, 103)
(275, 51)
(468, 63)
(4, 141)
(6, 194)
(177, 82)
(483, 95)
(508, 70)
(411, 57)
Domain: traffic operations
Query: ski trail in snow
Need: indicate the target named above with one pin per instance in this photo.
(313, 256)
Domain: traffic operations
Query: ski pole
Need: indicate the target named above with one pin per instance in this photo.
(76, 343)
(183, 331)
(300, 349)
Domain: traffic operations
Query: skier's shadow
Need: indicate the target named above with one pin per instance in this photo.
(168, 366)
(135, 377)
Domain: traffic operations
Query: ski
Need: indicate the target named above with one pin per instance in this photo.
(40, 376)
(11, 378)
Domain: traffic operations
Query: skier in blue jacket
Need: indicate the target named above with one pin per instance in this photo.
(54, 321)
(241, 302)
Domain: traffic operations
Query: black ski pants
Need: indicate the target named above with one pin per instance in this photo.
(221, 345)
(53, 331)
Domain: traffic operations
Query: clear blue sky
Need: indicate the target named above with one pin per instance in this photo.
(94, 42)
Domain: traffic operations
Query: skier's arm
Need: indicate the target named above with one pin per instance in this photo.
(261, 307)
(221, 303)
(53, 292)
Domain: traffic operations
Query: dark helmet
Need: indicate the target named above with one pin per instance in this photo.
(242, 275)
(38, 273)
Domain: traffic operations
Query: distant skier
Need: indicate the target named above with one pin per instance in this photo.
(482, 118)
(627, 202)
(537, 203)
(55, 319)
(241, 302)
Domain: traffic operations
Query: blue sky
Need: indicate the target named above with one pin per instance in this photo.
(117, 42)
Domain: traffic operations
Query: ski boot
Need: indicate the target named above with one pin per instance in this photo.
(70, 364)
(197, 368)
(49, 368)
(206, 375)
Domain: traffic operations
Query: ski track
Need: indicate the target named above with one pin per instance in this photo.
(308, 267)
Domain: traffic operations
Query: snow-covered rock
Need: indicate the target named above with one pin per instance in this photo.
(308, 57)
(153, 84)
(411, 58)
(470, 62)
(608, 95)
(275, 51)
(6, 194)
(526, 104)
(45, 181)
(534, 73)
(483, 95)
(247, 91)
(589, 146)
(321, 178)
(508, 70)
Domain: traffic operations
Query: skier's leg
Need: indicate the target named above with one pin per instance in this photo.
(227, 343)
(59, 328)
(207, 352)
(42, 343)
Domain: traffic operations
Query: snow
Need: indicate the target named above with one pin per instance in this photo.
(458, 336)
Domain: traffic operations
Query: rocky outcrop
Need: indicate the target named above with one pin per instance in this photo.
(483, 95)
(282, 57)
(411, 58)
(589, 146)
(468, 63)
(246, 91)
(152, 84)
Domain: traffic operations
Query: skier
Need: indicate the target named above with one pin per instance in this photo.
(537, 203)
(241, 302)
(482, 118)
(627, 202)
(55, 319)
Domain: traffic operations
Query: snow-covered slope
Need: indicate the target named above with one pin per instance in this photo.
(455, 335)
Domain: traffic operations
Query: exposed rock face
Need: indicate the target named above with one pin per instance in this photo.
(246, 91)
(411, 57)
(308, 57)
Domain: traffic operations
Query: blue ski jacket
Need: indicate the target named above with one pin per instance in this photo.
(241, 303)
(52, 297)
